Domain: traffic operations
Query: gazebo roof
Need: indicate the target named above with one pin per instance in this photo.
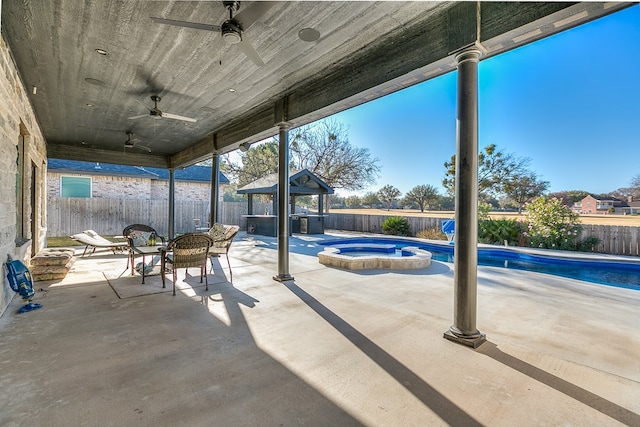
(303, 182)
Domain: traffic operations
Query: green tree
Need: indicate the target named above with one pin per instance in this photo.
(257, 162)
(407, 204)
(446, 203)
(353, 202)
(336, 201)
(371, 200)
(324, 148)
(388, 195)
(495, 169)
(423, 196)
(552, 224)
(523, 189)
(230, 194)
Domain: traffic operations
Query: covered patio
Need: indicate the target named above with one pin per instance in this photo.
(331, 348)
(327, 347)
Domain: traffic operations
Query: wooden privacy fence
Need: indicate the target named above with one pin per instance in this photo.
(373, 223)
(614, 240)
(67, 216)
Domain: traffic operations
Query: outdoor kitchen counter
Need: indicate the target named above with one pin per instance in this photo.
(267, 225)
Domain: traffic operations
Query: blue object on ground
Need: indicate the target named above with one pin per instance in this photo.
(449, 227)
(21, 282)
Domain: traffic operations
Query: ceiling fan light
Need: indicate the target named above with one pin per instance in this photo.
(232, 38)
(128, 144)
(231, 33)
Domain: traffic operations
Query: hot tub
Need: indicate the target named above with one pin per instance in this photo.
(358, 256)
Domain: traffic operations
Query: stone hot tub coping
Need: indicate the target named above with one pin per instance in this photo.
(380, 258)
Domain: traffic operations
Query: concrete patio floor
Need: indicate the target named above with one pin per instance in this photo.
(331, 348)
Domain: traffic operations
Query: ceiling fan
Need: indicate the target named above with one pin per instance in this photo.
(231, 29)
(133, 143)
(157, 114)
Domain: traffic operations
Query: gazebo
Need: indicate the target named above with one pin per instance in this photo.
(302, 183)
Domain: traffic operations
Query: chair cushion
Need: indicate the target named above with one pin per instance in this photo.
(90, 233)
(140, 238)
(218, 232)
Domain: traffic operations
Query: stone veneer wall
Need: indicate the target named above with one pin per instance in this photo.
(17, 117)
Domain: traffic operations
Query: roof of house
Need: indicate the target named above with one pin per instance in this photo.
(301, 182)
(195, 173)
(606, 198)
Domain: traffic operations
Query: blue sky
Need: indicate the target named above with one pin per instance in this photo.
(570, 103)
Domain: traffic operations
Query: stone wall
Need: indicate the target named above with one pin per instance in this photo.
(18, 126)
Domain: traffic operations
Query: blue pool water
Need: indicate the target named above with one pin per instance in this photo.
(389, 250)
(604, 272)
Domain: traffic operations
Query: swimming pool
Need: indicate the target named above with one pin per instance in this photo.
(601, 271)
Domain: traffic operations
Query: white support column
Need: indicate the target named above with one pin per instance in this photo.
(464, 329)
(283, 204)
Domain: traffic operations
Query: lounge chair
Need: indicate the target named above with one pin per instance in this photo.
(222, 236)
(93, 240)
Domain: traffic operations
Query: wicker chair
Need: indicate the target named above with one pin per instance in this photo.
(222, 236)
(140, 235)
(188, 250)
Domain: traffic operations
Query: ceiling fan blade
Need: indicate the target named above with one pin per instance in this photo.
(177, 117)
(144, 147)
(138, 117)
(246, 17)
(143, 104)
(251, 53)
(194, 25)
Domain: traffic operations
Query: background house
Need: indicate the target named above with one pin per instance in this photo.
(607, 205)
(69, 178)
(106, 197)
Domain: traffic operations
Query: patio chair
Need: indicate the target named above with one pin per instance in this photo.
(222, 236)
(93, 240)
(142, 241)
(188, 250)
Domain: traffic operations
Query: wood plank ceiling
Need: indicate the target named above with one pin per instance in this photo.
(84, 100)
